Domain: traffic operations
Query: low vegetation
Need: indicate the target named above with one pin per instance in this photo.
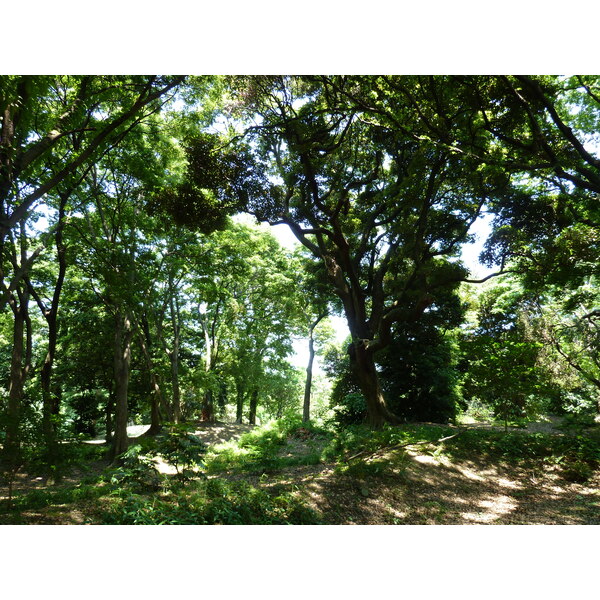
(287, 472)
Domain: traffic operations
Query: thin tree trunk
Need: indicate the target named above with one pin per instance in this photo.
(12, 445)
(176, 410)
(155, 420)
(208, 409)
(110, 409)
(174, 354)
(50, 400)
(157, 399)
(309, 369)
(122, 362)
(308, 384)
(239, 408)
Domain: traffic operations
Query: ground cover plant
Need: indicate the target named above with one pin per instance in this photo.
(287, 473)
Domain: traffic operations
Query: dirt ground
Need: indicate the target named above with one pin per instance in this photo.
(427, 491)
(414, 486)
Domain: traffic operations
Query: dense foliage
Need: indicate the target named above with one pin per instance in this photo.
(138, 287)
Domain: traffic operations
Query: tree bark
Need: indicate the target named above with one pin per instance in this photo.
(253, 406)
(309, 369)
(110, 408)
(12, 445)
(155, 402)
(50, 400)
(157, 399)
(122, 362)
(208, 409)
(239, 408)
(363, 363)
(174, 354)
(308, 384)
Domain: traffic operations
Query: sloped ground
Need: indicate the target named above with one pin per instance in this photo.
(417, 485)
(412, 485)
(427, 490)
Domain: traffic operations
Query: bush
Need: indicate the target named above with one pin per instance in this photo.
(351, 410)
(182, 449)
(137, 470)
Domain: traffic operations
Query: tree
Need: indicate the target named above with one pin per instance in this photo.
(54, 129)
(382, 210)
(312, 286)
(501, 353)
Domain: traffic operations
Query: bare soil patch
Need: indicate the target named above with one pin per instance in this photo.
(423, 490)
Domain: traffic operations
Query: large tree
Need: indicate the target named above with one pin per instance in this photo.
(384, 211)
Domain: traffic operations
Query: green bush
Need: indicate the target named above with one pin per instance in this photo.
(136, 470)
(258, 451)
(178, 446)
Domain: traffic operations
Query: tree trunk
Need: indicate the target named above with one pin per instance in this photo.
(50, 400)
(308, 384)
(157, 399)
(12, 444)
(50, 403)
(363, 363)
(110, 409)
(122, 362)
(155, 420)
(253, 406)
(239, 408)
(174, 356)
(309, 369)
(208, 412)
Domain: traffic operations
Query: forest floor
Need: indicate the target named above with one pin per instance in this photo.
(410, 483)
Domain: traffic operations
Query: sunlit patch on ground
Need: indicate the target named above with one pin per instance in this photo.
(419, 485)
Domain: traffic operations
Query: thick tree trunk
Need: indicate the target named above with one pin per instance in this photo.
(239, 405)
(253, 406)
(122, 362)
(363, 363)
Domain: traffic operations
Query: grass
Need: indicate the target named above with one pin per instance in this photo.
(287, 472)
(262, 450)
(208, 503)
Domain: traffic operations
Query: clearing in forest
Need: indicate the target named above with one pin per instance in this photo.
(290, 473)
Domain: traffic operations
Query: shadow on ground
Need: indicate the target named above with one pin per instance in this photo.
(421, 489)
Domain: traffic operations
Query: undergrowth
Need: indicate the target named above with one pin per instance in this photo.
(201, 493)
(212, 502)
(576, 456)
(262, 450)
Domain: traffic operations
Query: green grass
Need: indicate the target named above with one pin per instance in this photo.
(208, 503)
(577, 456)
(135, 493)
(258, 451)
